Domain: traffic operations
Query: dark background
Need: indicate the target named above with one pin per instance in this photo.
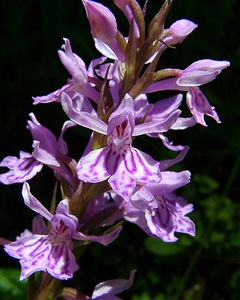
(31, 33)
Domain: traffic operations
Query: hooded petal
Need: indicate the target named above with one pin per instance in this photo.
(179, 30)
(201, 72)
(103, 26)
(102, 20)
(124, 111)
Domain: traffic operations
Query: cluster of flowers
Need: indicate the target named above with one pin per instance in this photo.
(112, 180)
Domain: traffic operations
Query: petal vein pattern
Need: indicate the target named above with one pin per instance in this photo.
(96, 166)
(119, 162)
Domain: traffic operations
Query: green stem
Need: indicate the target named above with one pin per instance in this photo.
(31, 287)
(47, 287)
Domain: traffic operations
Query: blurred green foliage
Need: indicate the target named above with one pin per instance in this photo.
(200, 268)
(10, 286)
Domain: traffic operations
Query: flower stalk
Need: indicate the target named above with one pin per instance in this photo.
(111, 182)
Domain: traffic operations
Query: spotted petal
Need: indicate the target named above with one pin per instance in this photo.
(169, 218)
(136, 166)
(21, 169)
(96, 166)
(36, 253)
(199, 106)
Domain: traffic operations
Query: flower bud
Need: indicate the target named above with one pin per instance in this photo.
(201, 72)
(102, 21)
(179, 30)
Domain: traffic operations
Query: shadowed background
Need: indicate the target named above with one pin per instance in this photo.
(31, 33)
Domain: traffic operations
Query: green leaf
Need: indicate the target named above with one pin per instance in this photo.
(10, 286)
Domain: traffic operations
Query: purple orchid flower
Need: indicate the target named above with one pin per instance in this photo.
(20, 169)
(79, 84)
(158, 211)
(47, 150)
(119, 162)
(52, 252)
(41, 252)
(189, 80)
